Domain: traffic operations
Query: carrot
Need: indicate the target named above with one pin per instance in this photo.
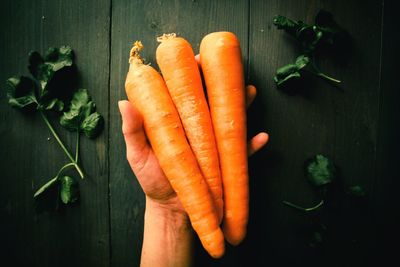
(221, 63)
(147, 91)
(179, 68)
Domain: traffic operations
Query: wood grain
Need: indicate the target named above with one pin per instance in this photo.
(355, 124)
(315, 117)
(75, 236)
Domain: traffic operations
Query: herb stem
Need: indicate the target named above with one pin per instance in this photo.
(77, 146)
(73, 161)
(322, 75)
(302, 208)
(317, 72)
(52, 181)
(45, 186)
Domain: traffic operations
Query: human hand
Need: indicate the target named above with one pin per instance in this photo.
(168, 236)
(145, 165)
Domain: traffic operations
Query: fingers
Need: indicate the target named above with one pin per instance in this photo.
(137, 147)
(251, 90)
(256, 143)
(251, 93)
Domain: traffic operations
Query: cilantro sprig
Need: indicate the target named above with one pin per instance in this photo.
(48, 91)
(322, 174)
(325, 31)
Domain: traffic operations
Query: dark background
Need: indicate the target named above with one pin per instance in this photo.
(355, 124)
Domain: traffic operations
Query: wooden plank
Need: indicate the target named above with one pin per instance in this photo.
(317, 118)
(16, 192)
(76, 236)
(146, 20)
(384, 192)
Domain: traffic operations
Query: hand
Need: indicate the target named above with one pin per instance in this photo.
(144, 163)
(168, 236)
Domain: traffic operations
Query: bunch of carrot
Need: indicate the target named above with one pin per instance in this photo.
(199, 142)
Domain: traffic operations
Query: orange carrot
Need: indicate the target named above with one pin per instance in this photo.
(221, 63)
(178, 66)
(147, 91)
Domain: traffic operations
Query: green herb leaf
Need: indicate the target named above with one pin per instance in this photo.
(307, 35)
(92, 125)
(21, 92)
(283, 23)
(291, 71)
(328, 26)
(81, 106)
(320, 170)
(81, 115)
(43, 69)
(310, 37)
(69, 191)
(51, 104)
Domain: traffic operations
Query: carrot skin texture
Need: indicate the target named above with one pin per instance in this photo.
(222, 67)
(176, 60)
(147, 91)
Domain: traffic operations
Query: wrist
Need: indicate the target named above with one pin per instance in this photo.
(169, 213)
(168, 236)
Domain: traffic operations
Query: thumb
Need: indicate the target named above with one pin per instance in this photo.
(132, 129)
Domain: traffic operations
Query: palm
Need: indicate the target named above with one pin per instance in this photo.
(144, 162)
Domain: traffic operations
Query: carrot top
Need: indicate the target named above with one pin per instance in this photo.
(134, 54)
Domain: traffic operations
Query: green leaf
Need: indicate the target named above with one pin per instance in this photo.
(54, 104)
(59, 58)
(93, 125)
(43, 69)
(282, 22)
(327, 25)
(291, 71)
(81, 115)
(320, 170)
(302, 61)
(311, 37)
(21, 92)
(81, 106)
(69, 191)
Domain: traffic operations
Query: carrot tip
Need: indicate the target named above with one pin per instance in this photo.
(134, 53)
(166, 36)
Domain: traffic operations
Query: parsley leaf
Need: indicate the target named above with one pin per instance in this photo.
(310, 38)
(69, 190)
(320, 170)
(55, 59)
(92, 125)
(51, 88)
(291, 71)
(21, 92)
(81, 115)
(45, 71)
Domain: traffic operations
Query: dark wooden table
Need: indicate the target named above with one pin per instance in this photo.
(355, 125)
